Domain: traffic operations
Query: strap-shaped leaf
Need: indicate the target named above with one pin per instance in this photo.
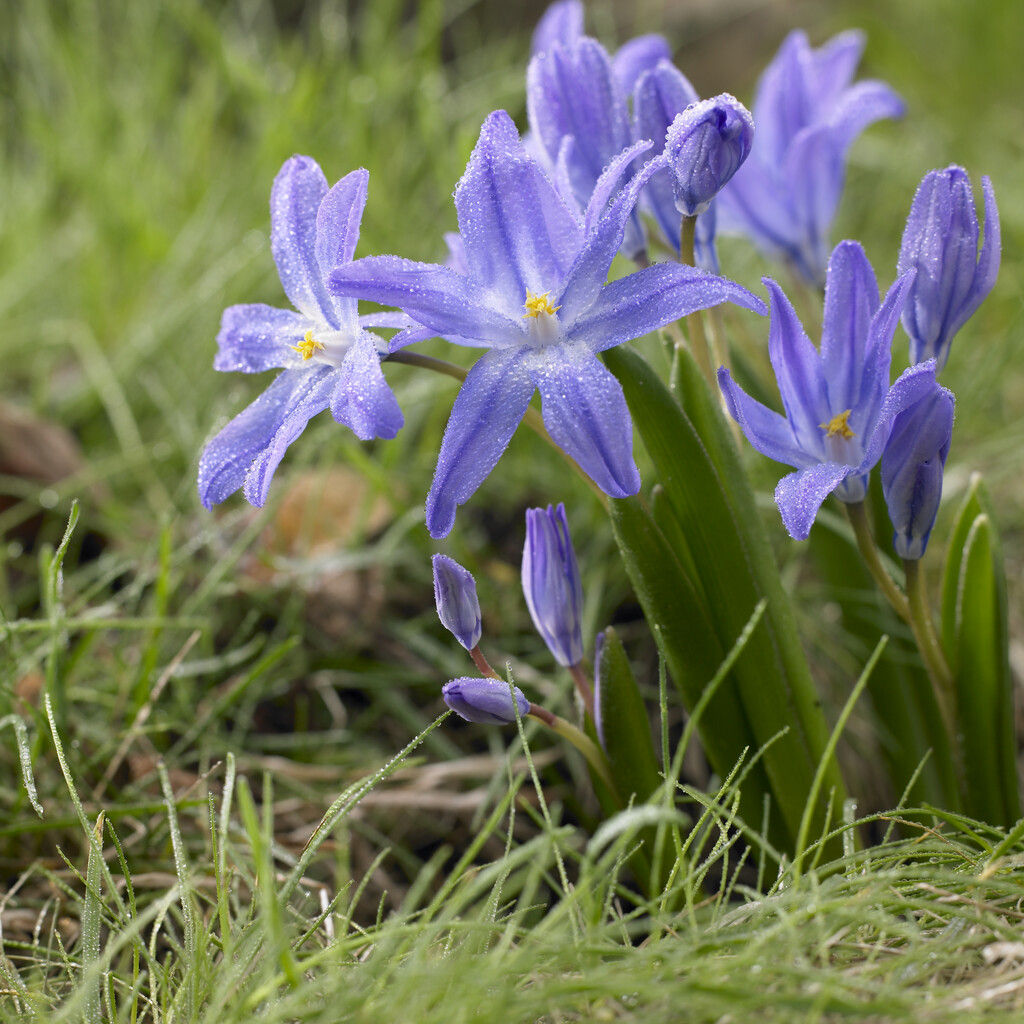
(698, 466)
(977, 649)
(689, 644)
(983, 682)
(625, 727)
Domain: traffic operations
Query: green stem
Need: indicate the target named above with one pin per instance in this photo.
(695, 321)
(934, 660)
(583, 687)
(583, 743)
(532, 417)
(858, 516)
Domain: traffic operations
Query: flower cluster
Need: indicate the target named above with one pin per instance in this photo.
(620, 150)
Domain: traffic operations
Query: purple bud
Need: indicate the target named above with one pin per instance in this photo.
(551, 583)
(705, 145)
(912, 465)
(489, 701)
(940, 241)
(457, 604)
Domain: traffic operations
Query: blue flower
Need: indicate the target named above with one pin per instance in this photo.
(705, 146)
(912, 465)
(940, 242)
(534, 294)
(579, 119)
(562, 25)
(661, 94)
(458, 607)
(807, 114)
(838, 402)
(328, 357)
(488, 701)
(551, 583)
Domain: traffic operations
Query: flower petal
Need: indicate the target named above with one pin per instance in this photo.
(337, 233)
(586, 414)
(765, 429)
(639, 54)
(361, 398)
(861, 105)
(299, 187)
(435, 296)
(255, 337)
(912, 466)
(572, 90)
(798, 370)
(249, 448)
(911, 386)
(851, 300)
(590, 268)
(518, 232)
(799, 495)
(486, 412)
(650, 298)
(561, 23)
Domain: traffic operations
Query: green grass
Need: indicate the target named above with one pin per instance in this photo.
(215, 687)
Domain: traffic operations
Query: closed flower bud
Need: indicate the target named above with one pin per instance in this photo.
(489, 701)
(551, 583)
(457, 604)
(940, 242)
(705, 146)
(912, 465)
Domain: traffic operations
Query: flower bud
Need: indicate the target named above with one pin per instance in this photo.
(912, 465)
(705, 146)
(551, 583)
(940, 241)
(457, 604)
(489, 701)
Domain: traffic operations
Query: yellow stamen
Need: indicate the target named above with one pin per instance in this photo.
(537, 304)
(839, 426)
(308, 346)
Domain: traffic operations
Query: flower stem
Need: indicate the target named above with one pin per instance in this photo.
(532, 417)
(583, 687)
(934, 660)
(583, 743)
(695, 321)
(482, 663)
(858, 516)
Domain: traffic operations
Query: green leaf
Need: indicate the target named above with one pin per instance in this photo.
(983, 682)
(975, 637)
(625, 727)
(686, 640)
(699, 468)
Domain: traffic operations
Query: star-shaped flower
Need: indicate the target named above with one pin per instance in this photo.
(328, 357)
(534, 294)
(807, 113)
(838, 402)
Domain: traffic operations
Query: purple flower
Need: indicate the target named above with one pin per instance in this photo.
(912, 465)
(579, 119)
(940, 242)
(457, 605)
(534, 294)
(807, 114)
(328, 358)
(704, 147)
(662, 93)
(489, 701)
(838, 402)
(551, 583)
(560, 24)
